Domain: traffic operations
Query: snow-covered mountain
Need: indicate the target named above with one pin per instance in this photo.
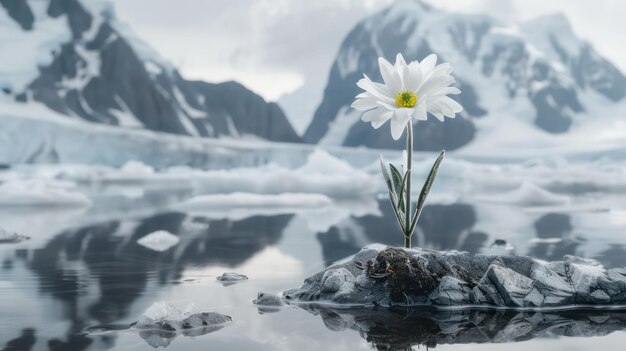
(78, 60)
(522, 83)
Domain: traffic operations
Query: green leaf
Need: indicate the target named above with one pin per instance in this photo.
(399, 214)
(385, 174)
(426, 189)
(402, 190)
(396, 177)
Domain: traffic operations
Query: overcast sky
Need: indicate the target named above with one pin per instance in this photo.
(277, 46)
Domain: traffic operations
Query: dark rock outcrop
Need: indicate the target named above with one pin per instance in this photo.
(20, 12)
(385, 276)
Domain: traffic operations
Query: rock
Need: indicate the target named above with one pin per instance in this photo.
(268, 303)
(162, 322)
(230, 278)
(387, 276)
(451, 291)
(337, 281)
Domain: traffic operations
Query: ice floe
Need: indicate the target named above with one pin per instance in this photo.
(528, 194)
(38, 192)
(159, 241)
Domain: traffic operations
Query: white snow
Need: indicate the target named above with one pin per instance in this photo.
(268, 202)
(321, 174)
(159, 241)
(528, 194)
(24, 51)
(35, 192)
(338, 129)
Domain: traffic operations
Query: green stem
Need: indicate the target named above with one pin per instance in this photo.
(407, 203)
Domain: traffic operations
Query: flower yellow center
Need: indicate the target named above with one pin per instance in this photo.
(406, 99)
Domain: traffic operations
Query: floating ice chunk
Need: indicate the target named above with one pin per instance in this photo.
(162, 322)
(545, 240)
(230, 278)
(168, 316)
(41, 192)
(528, 194)
(159, 241)
(248, 200)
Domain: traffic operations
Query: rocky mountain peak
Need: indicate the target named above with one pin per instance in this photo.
(77, 59)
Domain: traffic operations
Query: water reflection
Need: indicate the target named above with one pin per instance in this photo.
(97, 274)
(435, 230)
(404, 329)
(24, 342)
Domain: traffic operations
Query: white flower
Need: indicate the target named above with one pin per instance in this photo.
(410, 91)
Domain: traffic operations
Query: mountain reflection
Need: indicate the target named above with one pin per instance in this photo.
(404, 329)
(105, 260)
(435, 230)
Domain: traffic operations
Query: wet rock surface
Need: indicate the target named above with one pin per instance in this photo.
(230, 278)
(268, 303)
(406, 328)
(386, 276)
(163, 322)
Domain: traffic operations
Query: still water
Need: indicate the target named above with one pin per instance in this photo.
(85, 270)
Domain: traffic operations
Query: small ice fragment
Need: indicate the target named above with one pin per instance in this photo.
(159, 241)
(229, 278)
(545, 240)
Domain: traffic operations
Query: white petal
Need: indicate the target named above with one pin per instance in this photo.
(406, 77)
(371, 115)
(428, 64)
(420, 111)
(453, 106)
(434, 84)
(375, 89)
(399, 61)
(399, 121)
(390, 76)
(415, 77)
(435, 110)
(387, 105)
(365, 104)
(382, 119)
